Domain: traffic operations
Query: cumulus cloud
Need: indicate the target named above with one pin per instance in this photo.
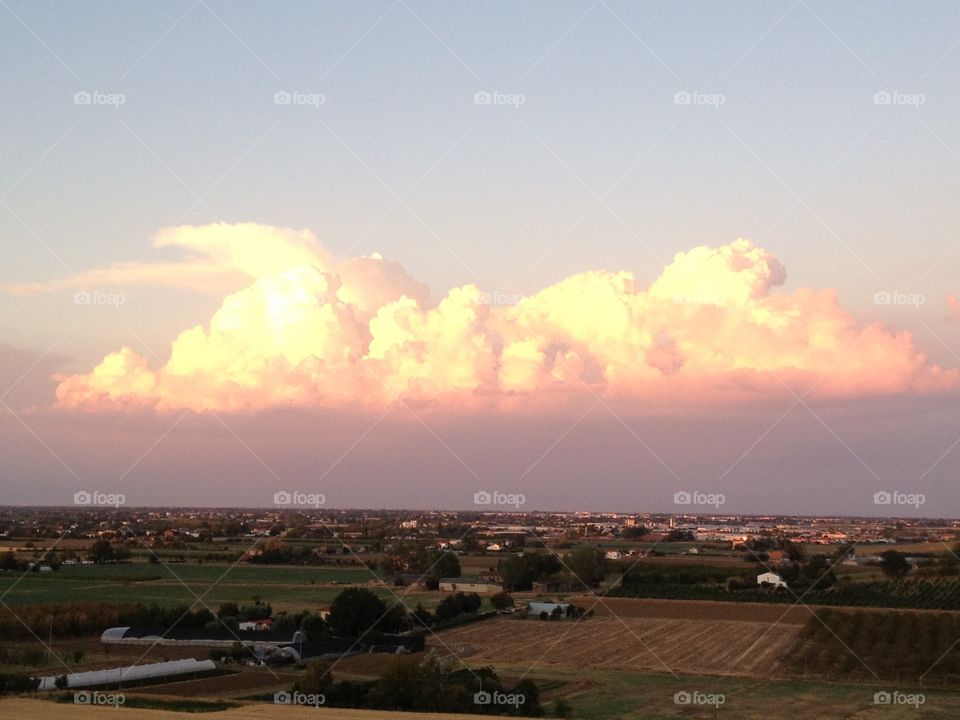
(308, 329)
(953, 306)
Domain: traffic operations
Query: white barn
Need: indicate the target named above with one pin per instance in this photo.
(771, 578)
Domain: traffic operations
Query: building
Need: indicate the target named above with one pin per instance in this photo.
(263, 624)
(131, 674)
(536, 609)
(771, 578)
(470, 585)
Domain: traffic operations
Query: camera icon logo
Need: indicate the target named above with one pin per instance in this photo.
(82, 498)
(82, 297)
(882, 97)
(682, 697)
(82, 98)
(282, 497)
(882, 297)
(482, 497)
(882, 498)
(682, 498)
(482, 98)
(882, 697)
(282, 97)
(482, 698)
(682, 98)
(82, 697)
(282, 698)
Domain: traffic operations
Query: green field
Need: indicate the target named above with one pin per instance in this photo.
(618, 695)
(290, 588)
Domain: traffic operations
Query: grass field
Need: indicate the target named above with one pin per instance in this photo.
(622, 695)
(286, 588)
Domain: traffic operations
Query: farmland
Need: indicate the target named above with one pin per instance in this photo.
(939, 594)
(696, 646)
(290, 588)
(19, 708)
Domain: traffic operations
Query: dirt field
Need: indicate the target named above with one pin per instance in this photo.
(705, 647)
(695, 610)
(20, 708)
(243, 684)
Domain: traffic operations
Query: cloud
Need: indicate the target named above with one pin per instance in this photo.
(953, 305)
(310, 330)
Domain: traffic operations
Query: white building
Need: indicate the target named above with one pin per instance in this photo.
(771, 578)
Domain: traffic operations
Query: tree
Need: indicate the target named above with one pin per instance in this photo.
(444, 565)
(421, 616)
(228, 609)
(894, 564)
(502, 601)
(588, 565)
(102, 551)
(456, 605)
(355, 611)
(314, 627)
(819, 572)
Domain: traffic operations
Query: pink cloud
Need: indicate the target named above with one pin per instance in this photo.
(309, 330)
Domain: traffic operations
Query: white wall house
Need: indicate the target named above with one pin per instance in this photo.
(771, 578)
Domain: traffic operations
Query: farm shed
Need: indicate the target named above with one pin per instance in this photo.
(536, 608)
(132, 673)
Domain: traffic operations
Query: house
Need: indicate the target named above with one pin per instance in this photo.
(258, 625)
(536, 609)
(772, 579)
(470, 585)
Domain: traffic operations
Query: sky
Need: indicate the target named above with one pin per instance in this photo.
(591, 254)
